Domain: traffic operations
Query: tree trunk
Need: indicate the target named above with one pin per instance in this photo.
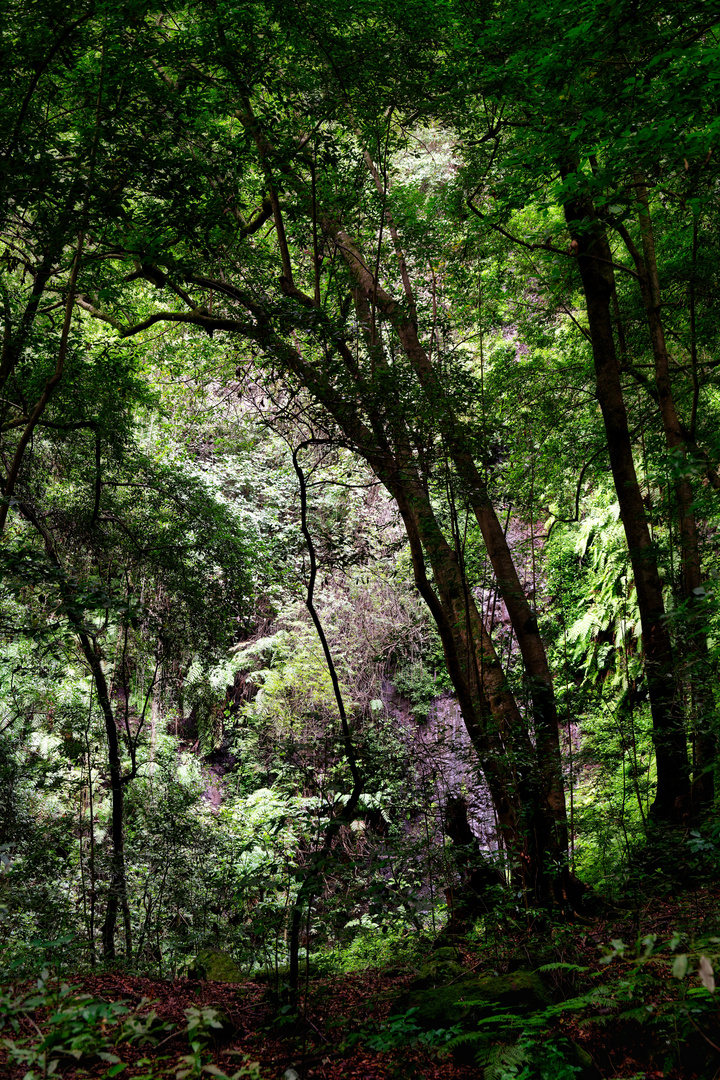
(692, 580)
(346, 812)
(117, 894)
(595, 266)
(548, 775)
(479, 882)
(491, 714)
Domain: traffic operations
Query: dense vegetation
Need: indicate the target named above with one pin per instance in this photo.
(360, 465)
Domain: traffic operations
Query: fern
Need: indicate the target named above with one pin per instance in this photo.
(502, 1061)
(469, 1038)
(641, 1014)
(495, 1059)
(561, 965)
(497, 1018)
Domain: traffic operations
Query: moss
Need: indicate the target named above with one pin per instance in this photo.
(517, 988)
(438, 973)
(467, 998)
(448, 953)
(218, 966)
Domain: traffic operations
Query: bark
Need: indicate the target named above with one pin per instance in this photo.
(50, 385)
(538, 675)
(525, 781)
(479, 882)
(14, 344)
(692, 579)
(378, 433)
(491, 714)
(532, 650)
(117, 894)
(345, 814)
(649, 282)
(595, 266)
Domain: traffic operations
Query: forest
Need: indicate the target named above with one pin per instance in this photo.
(359, 507)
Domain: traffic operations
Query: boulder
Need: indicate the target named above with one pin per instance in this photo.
(438, 971)
(448, 952)
(445, 994)
(218, 966)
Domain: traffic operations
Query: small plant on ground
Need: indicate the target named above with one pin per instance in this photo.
(76, 1026)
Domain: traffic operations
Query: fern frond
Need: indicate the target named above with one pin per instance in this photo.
(497, 1018)
(468, 1038)
(561, 965)
(506, 1057)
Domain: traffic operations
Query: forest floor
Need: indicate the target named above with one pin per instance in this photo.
(625, 1006)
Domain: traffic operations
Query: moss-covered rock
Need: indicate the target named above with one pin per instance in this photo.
(447, 953)
(218, 966)
(466, 997)
(523, 990)
(437, 973)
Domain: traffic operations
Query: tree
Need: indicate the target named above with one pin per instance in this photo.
(144, 568)
(396, 399)
(276, 203)
(552, 122)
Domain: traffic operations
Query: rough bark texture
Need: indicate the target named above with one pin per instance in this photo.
(595, 266)
(548, 776)
(117, 893)
(692, 579)
(519, 755)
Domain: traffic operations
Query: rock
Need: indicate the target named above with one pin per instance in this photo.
(438, 972)
(218, 966)
(582, 1055)
(449, 952)
(468, 997)
(446, 995)
(521, 990)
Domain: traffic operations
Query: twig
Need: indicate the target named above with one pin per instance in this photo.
(702, 1033)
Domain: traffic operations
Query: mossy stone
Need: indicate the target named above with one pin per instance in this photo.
(523, 989)
(446, 953)
(218, 966)
(437, 973)
(468, 998)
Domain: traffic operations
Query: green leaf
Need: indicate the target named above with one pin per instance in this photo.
(115, 1069)
(680, 966)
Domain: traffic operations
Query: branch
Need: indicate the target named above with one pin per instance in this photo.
(346, 810)
(635, 255)
(40, 71)
(545, 247)
(309, 603)
(576, 517)
(265, 150)
(83, 301)
(47, 391)
(198, 317)
(257, 223)
(72, 426)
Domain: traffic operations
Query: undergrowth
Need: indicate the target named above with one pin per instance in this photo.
(75, 1028)
(664, 989)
